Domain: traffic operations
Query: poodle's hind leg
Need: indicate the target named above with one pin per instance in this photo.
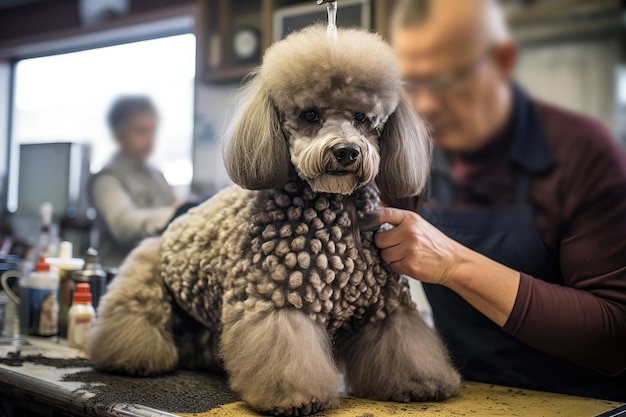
(279, 361)
(132, 333)
(399, 359)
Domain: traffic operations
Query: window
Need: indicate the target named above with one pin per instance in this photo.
(65, 98)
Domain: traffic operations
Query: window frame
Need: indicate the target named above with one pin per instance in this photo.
(150, 25)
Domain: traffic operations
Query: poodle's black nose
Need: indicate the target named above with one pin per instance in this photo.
(346, 155)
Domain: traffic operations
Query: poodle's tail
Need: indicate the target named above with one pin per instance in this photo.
(132, 333)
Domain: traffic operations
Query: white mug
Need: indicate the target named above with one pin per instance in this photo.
(38, 304)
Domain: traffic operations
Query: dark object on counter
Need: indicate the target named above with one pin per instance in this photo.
(111, 273)
(92, 274)
(16, 359)
(182, 392)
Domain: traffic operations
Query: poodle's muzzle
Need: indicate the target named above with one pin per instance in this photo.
(340, 158)
(346, 155)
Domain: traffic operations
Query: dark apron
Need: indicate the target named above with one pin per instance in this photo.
(481, 350)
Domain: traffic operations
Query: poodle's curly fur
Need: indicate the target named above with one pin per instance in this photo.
(279, 286)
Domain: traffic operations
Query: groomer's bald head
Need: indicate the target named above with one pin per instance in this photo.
(457, 58)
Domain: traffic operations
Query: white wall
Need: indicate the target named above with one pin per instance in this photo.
(579, 76)
(212, 105)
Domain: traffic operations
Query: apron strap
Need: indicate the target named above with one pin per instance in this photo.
(440, 188)
(521, 192)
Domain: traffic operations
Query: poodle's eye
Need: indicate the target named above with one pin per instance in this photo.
(360, 117)
(310, 116)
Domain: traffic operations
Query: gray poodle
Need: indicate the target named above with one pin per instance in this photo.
(273, 280)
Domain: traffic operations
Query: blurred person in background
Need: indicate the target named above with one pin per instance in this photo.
(133, 200)
(521, 240)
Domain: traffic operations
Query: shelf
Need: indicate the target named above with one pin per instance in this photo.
(227, 75)
(219, 20)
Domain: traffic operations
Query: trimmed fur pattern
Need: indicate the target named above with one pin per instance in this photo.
(263, 283)
(299, 251)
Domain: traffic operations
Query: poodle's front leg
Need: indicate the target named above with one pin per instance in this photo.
(398, 359)
(278, 360)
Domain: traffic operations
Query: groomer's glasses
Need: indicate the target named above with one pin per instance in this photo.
(445, 84)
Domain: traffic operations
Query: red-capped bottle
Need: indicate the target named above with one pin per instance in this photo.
(80, 317)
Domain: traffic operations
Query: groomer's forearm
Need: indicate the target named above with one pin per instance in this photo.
(487, 285)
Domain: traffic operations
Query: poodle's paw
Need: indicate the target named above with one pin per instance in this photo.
(131, 346)
(426, 389)
(308, 409)
(399, 359)
(293, 375)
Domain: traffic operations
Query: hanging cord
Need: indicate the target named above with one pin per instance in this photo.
(331, 8)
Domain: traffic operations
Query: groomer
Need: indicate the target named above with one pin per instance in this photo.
(521, 240)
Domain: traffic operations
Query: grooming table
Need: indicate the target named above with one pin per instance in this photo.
(59, 388)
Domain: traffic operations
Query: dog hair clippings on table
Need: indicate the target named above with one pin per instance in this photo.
(331, 7)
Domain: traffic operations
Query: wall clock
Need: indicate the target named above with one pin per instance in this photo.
(246, 45)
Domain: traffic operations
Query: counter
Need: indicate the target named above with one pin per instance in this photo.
(49, 384)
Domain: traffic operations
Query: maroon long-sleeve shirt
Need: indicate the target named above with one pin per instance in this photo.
(580, 211)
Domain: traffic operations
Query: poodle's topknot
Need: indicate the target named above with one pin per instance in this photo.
(357, 64)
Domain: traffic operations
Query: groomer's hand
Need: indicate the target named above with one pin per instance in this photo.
(416, 248)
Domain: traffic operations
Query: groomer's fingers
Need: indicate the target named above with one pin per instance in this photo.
(399, 268)
(391, 215)
(387, 239)
(374, 219)
(393, 254)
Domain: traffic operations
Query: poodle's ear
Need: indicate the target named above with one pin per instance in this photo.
(254, 147)
(405, 153)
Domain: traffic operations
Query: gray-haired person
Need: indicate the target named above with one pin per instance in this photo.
(133, 199)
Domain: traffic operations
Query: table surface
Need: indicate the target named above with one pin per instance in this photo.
(50, 386)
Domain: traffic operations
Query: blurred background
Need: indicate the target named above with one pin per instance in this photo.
(62, 62)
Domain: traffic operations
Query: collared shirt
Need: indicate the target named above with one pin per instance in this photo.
(578, 193)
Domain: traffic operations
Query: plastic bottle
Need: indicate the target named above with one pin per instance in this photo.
(80, 317)
(66, 265)
(43, 299)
